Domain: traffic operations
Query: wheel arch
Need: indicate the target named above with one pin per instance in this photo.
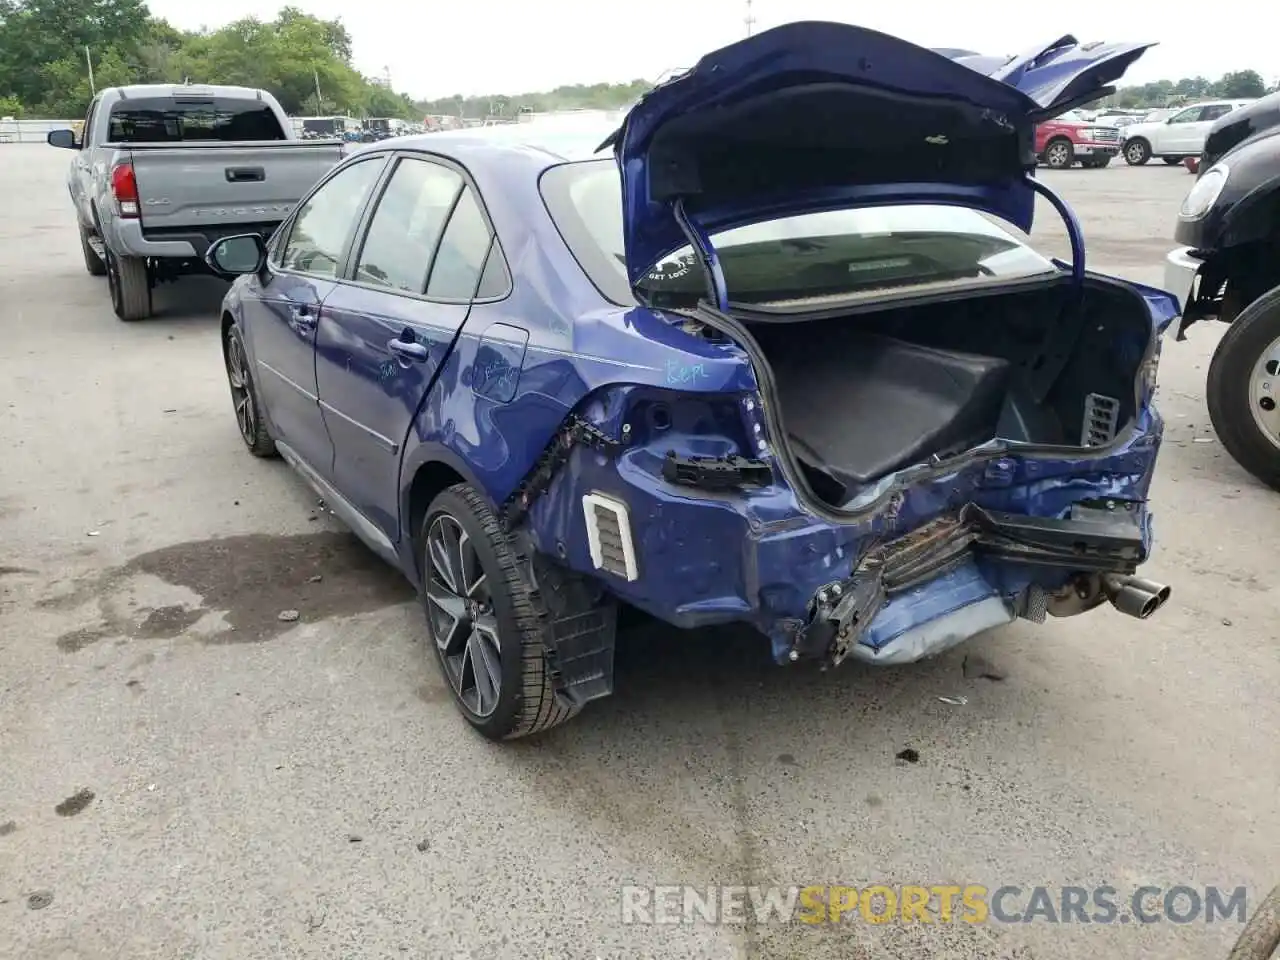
(429, 469)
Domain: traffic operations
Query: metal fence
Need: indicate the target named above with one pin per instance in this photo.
(30, 131)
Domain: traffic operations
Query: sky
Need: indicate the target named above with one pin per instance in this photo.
(515, 46)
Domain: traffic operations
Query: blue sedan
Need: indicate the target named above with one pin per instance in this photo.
(746, 366)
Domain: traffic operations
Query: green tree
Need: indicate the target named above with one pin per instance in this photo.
(43, 67)
(1240, 85)
(38, 33)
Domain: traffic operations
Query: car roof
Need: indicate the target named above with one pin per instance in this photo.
(555, 140)
(187, 89)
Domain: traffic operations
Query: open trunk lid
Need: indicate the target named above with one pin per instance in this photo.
(814, 116)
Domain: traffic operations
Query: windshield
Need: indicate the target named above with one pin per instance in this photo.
(797, 261)
(179, 119)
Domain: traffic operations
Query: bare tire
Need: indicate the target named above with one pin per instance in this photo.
(1243, 389)
(1260, 938)
(244, 396)
(130, 287)
(1136, 152)
(1059, 154)
(92, 262)
(485, 620)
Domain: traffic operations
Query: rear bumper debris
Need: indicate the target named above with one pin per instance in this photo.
(1103, 538)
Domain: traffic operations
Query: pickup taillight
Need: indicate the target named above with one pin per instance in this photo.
(124, 187)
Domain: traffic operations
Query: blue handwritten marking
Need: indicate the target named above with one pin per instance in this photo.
(387, 370)
(496, 379)
(678, 373)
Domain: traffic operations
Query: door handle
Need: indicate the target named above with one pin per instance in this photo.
(408, 350)
(302, 317)
(245, 174)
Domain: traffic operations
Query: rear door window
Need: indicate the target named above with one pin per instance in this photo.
(455, 273)
(1214, 111)
(183, 119)
(406, 226)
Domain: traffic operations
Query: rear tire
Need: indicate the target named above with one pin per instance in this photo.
(480, 604)
(92, 262)
(1095, 163)
(1136, 152)
(1240, 362)
(1059, 154)
(130, 286)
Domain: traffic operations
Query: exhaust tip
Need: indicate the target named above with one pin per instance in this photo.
(1134, 596)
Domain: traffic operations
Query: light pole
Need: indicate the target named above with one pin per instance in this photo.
(749, 20)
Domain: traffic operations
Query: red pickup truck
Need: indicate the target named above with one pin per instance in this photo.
(1070, 139)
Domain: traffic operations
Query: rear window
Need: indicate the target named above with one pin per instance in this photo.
(795, 262)
(178, 120)
(323, 127)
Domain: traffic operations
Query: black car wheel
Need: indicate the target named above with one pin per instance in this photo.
(244, 397)
(1059, 154)
(1243, 389)
(1172, 161)
(92, 262)
(1136, 152)
(485, 620)
(130, 286)
(1095, 163)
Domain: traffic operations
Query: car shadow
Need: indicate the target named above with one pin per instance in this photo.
(189, 299)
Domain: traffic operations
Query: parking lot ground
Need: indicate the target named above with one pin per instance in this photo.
(182, 774)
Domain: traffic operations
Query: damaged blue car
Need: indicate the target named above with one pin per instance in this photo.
(784, 358)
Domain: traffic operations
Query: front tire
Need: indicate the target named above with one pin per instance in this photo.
(1137, 152)
(244, 397)
(485, 620)
(130, 287)
(1059, 154)
(1172, 161)
(92, 262)
(1243, 389)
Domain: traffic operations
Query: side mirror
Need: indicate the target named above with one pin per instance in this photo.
(66, 139)
(234, 256)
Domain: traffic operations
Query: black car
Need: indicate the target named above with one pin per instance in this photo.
(1228, 269)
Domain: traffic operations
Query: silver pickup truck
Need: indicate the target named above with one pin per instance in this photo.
(163, 171)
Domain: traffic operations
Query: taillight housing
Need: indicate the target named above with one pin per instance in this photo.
(124, 187)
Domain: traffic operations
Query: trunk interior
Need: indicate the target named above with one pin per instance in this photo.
(863, 396)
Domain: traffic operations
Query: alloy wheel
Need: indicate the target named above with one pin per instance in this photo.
(238, 378)
(1059, 155)
(461, 615)
(1264, 393)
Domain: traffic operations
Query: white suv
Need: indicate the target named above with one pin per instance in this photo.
(1180, 135)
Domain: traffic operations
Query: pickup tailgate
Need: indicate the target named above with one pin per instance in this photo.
(204, 185)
